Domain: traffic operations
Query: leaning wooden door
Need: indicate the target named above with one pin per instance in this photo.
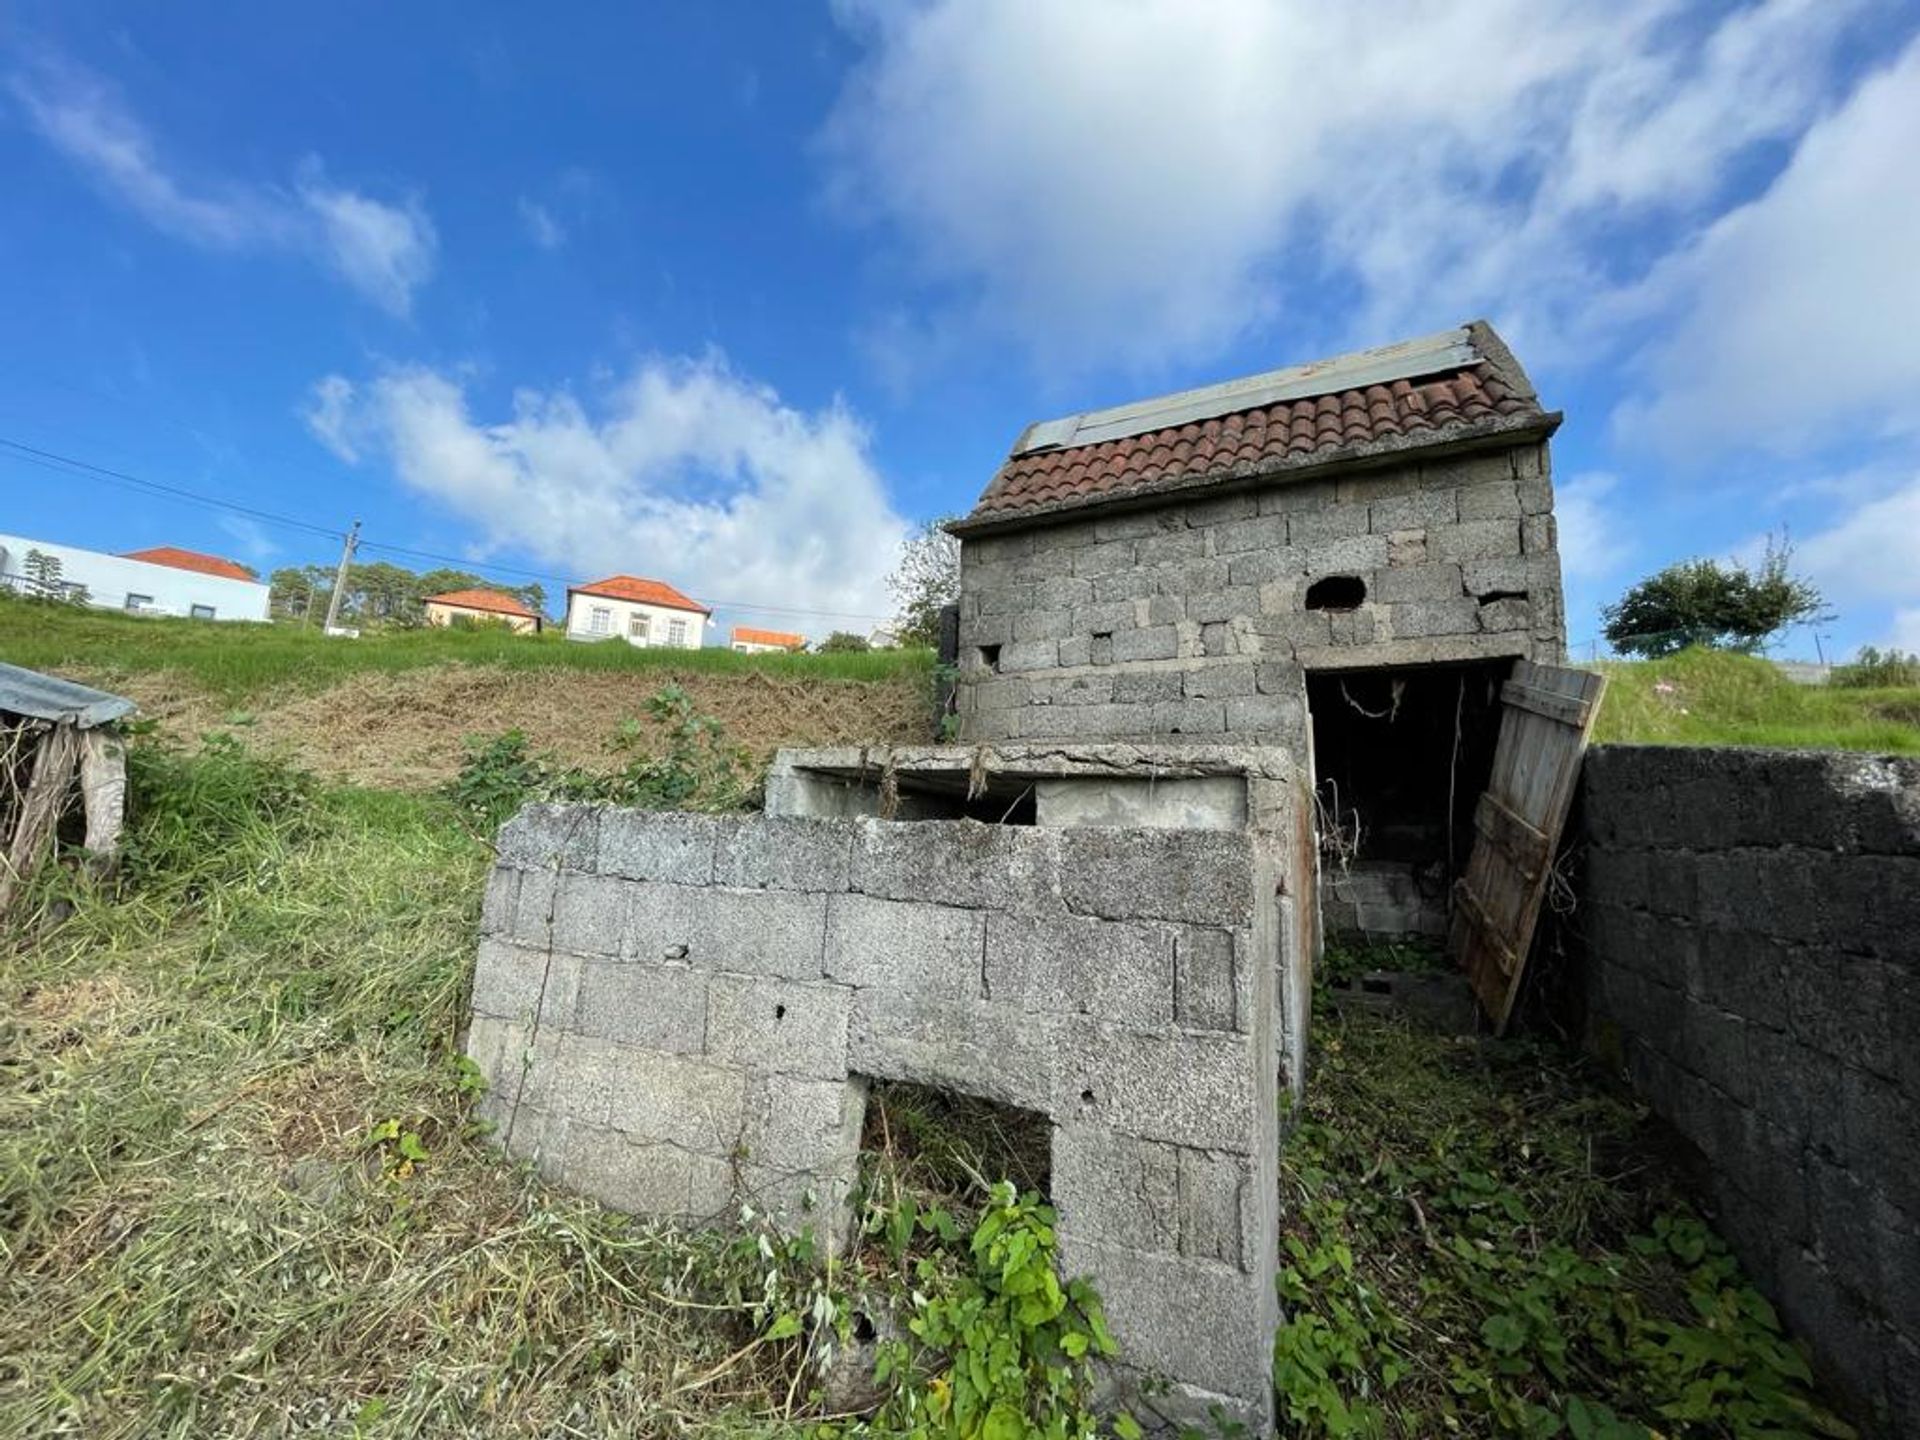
(1547, 713)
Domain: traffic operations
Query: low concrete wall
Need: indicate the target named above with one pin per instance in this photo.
(1752, 933)
(678, 1013)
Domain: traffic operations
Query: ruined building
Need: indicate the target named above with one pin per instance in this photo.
(1188, 627)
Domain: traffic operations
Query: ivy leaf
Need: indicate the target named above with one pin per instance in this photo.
(1504, 1333)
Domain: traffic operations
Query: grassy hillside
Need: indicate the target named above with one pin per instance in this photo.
(1708, 697)
(239, 662)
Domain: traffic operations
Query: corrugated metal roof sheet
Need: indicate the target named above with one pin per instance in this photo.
(47, 697)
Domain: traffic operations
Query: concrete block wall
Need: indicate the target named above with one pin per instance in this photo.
(1751, 921)
(1188, 619)
(678, 1015)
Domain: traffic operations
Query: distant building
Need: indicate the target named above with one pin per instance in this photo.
(488, 606)
(883, 637)
(749, 641)
(164, 580)
(637, 610)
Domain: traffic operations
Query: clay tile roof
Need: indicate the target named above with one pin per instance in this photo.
(747, 635)
(1439, 390)
(640, 591)
(180, 559)
(491, 601)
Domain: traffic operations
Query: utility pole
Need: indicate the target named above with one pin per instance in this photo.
(340, 576)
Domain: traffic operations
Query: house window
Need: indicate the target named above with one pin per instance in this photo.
(202, 612)
(139, 602)
(600, 622)
(639, 627)
(676, 632)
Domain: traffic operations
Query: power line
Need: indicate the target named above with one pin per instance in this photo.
(82, 469)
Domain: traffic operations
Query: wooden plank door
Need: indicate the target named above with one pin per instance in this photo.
(1547, 712)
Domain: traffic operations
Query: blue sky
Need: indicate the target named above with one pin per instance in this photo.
(736, 295)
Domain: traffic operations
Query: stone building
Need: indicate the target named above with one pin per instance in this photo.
(1342, 559)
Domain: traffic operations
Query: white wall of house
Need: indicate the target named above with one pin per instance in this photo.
(115, 583)
(597, 617)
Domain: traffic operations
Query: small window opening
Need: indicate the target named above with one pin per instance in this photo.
(990, 657)
(1337, 592)
(1490, 596)
(937, 1144)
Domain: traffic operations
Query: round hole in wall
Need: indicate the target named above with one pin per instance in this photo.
(779, 1012)
(1337, 592)
(1086, 1097)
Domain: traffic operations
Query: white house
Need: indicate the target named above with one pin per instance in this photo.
(165, 580)
(749, 641)
(638, 611)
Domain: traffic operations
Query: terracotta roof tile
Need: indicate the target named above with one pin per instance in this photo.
(640, 591)
(178, 559)
(491, 601)
(1484, 395)
(747, 635)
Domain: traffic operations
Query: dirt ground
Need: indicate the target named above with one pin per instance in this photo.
(404, 730)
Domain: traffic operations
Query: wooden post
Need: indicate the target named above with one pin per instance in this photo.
(46, 795)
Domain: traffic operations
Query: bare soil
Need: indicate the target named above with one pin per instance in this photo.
(406, 730)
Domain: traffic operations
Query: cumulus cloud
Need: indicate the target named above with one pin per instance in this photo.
(1591, 541)
(1139, 183)
(541, 227)
(1867, 556)
(1796, 313)
(685, 471)
(385, 251)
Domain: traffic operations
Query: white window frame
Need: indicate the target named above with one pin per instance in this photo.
(640, 627)
(600, 620)
(677, 633)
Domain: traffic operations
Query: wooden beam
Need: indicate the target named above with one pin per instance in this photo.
(1567, 709)
(1521, 842)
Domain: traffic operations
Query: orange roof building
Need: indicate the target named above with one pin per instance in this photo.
(194, 560)
(485, 605)
(638, 610)
(749, 641)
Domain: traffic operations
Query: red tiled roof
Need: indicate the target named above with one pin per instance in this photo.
(747, 635)
(1490, 394)
(192, 560)
(641, 592)
(491, 601)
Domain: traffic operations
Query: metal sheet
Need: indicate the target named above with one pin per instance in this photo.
(46, 697)
(1429, 355)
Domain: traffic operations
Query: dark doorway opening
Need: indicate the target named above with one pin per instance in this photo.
(1400, 760)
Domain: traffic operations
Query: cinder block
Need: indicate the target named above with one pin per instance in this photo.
(1221, 510)
(1286, 496)
(577, 1082)
(1432, 581)
(1266, 532)
(1315, 528)
(1094, 689)
(916, 950)
(501, 900)
(778, 853)
(1187, 1089)
(1356, 553)
(1207, 992)
(1418, 511)
(1260, 567)
(1213, 1208)
(756, 932)
(1538, 534)
(1197, 1319)
(1511, 612)
(639, 1179)
(1166, 545)
(638, 1002)
(1419, 619)
(589, 913)
(679, 1100)
(1475, 539)
(1105, 617)
(1147, 686)
(668, 845)
(1265, 715)
(1156, 642)
(1493, 500)
(1042, 625)
(1716, 1049)
(1103, 558)
(784, 1026)
(1116, 1189)
(798, 1126)
(1119, 971)
(975, 1047)
(957, 862)
(1190, 717)
(1200, 877)
(550, 837)
(1189, 577)
(1219, 681)
(1213, 606)
(512, 982)
(1076, 650)
(1029, 655)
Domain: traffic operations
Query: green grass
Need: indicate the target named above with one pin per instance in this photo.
(1709, 697)
(238, 662)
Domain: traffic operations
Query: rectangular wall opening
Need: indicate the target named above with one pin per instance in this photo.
(1400, 759)
(937, 1145)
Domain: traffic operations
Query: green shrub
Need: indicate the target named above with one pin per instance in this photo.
(1875, 669)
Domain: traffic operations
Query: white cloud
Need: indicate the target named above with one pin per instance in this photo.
(1591, 543)
(1145, 183)
(384, 251)
(1905, 634)
(685, 471)
(256, 546)
(331, 416)
(1799, 313)
(1868, 555)
(541, 227)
